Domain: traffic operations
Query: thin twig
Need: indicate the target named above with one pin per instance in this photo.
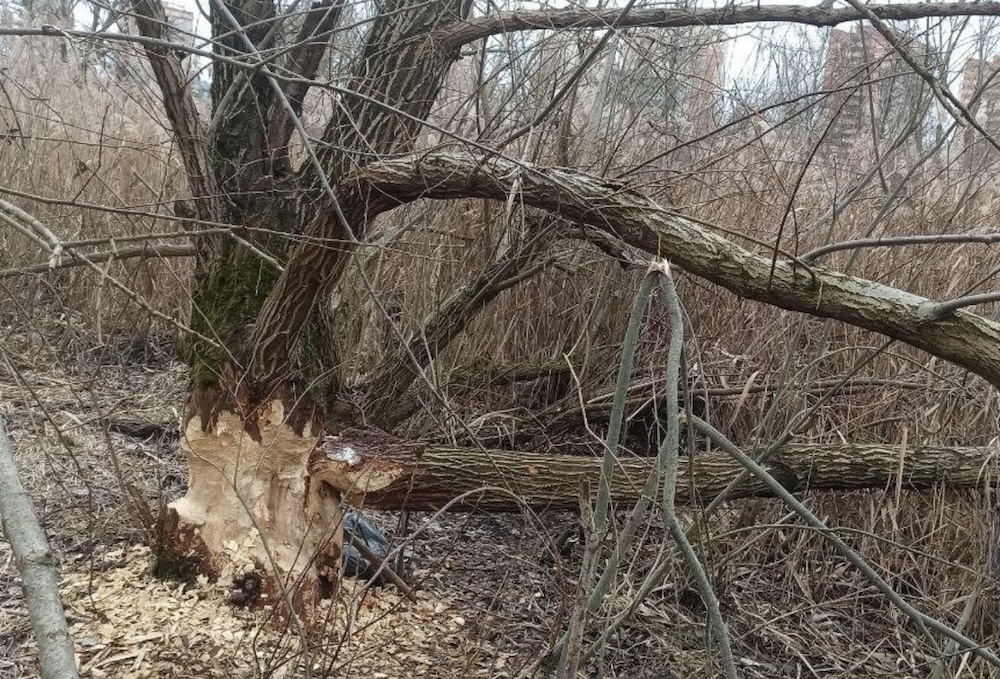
(935, 311)
(930, 239)
(141, 251)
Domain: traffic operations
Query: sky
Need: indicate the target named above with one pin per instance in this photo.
(747, 55)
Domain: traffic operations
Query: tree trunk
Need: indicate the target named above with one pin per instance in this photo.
(265, 366)
(249, 507)
(387, 474)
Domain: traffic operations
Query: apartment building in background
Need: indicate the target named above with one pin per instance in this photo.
(181, 22)
(855, 71)
(703, 80)
(980, 94)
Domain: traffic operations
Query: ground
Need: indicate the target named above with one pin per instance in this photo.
(491, 595)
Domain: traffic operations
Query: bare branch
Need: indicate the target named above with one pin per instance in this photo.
(931, 239)
(141, 251)
(28, 226)
(764, 476)
(938, 310)
(458, 34)
(37, 566)
(963, 338)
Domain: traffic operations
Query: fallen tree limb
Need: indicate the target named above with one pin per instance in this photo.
(36, 565)
(386, 473)
(961, 337)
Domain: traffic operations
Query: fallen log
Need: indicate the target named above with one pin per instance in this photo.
(375, 470)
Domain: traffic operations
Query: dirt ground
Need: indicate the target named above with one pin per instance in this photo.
(491, 596)
(485, 605)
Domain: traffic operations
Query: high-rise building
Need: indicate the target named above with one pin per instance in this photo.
(705, 78)
(182, 24)
(677, 82)
(854, 73)
(981, 96)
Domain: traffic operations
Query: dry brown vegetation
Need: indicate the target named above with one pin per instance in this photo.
(89, 155)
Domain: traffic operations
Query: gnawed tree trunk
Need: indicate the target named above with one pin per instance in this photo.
(246, 508)
(265, 359)
(385, 474)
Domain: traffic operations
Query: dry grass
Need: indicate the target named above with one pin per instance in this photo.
(79, 351)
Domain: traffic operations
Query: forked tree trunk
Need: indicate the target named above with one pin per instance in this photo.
(265, 369)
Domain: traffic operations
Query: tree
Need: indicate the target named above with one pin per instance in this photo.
(269, 352)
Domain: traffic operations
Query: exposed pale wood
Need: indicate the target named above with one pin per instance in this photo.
(250, 504)
(391, 475)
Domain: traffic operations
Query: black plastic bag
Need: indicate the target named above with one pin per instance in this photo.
(355, 564)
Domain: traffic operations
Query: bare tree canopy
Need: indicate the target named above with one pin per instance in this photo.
(412, 250)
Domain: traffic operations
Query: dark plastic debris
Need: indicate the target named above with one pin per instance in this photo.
(355, 564)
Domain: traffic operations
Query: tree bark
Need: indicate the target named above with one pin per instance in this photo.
(387, 474)
(264, 366)
(965, 338)
(37, 566)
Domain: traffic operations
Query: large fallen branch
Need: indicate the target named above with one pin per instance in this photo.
(961, 337)
(36, 565)
(377, 471)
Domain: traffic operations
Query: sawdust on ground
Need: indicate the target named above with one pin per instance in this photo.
(130, 625)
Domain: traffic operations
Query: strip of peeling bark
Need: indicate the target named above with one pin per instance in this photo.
(964, 338)
(381, 472)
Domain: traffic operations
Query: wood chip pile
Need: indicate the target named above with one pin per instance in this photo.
(129, 625)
